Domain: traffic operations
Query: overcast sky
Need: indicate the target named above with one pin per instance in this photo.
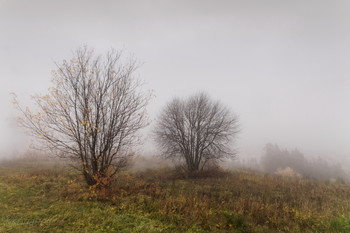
(282, 66)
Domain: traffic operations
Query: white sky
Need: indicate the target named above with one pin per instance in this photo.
(282, 66)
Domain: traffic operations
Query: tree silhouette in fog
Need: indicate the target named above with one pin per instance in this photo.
(196, 130)
(275, 158)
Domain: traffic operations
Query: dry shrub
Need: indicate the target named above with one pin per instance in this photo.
(288, 172)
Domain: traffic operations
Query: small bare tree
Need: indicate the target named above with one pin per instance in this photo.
(92, 113)
(197, 130)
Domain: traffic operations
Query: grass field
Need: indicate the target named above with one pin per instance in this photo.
(55, 199)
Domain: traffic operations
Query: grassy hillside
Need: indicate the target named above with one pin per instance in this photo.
(55, 199)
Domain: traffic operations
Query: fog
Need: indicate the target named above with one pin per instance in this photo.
(282, 66)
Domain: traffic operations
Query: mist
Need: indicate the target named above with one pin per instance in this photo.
(282, 67)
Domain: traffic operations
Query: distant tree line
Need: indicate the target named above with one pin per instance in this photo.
(275, 158)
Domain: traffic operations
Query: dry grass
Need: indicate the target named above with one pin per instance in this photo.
(214, 201)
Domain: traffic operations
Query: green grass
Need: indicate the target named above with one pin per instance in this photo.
(40, 201)
(56, 200)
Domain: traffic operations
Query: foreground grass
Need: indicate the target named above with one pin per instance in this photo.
(56, 200)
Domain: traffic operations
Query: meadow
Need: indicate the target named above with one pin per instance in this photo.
(54, 198)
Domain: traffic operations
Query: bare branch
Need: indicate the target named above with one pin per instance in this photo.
(92, 113)
(197, 130)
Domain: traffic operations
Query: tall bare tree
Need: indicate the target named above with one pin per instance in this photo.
(92, 113)
(196, 130)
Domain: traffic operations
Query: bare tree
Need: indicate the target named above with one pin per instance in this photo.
(92, 113)
(196, 130)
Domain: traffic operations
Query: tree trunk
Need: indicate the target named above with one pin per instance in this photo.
(90, 180)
